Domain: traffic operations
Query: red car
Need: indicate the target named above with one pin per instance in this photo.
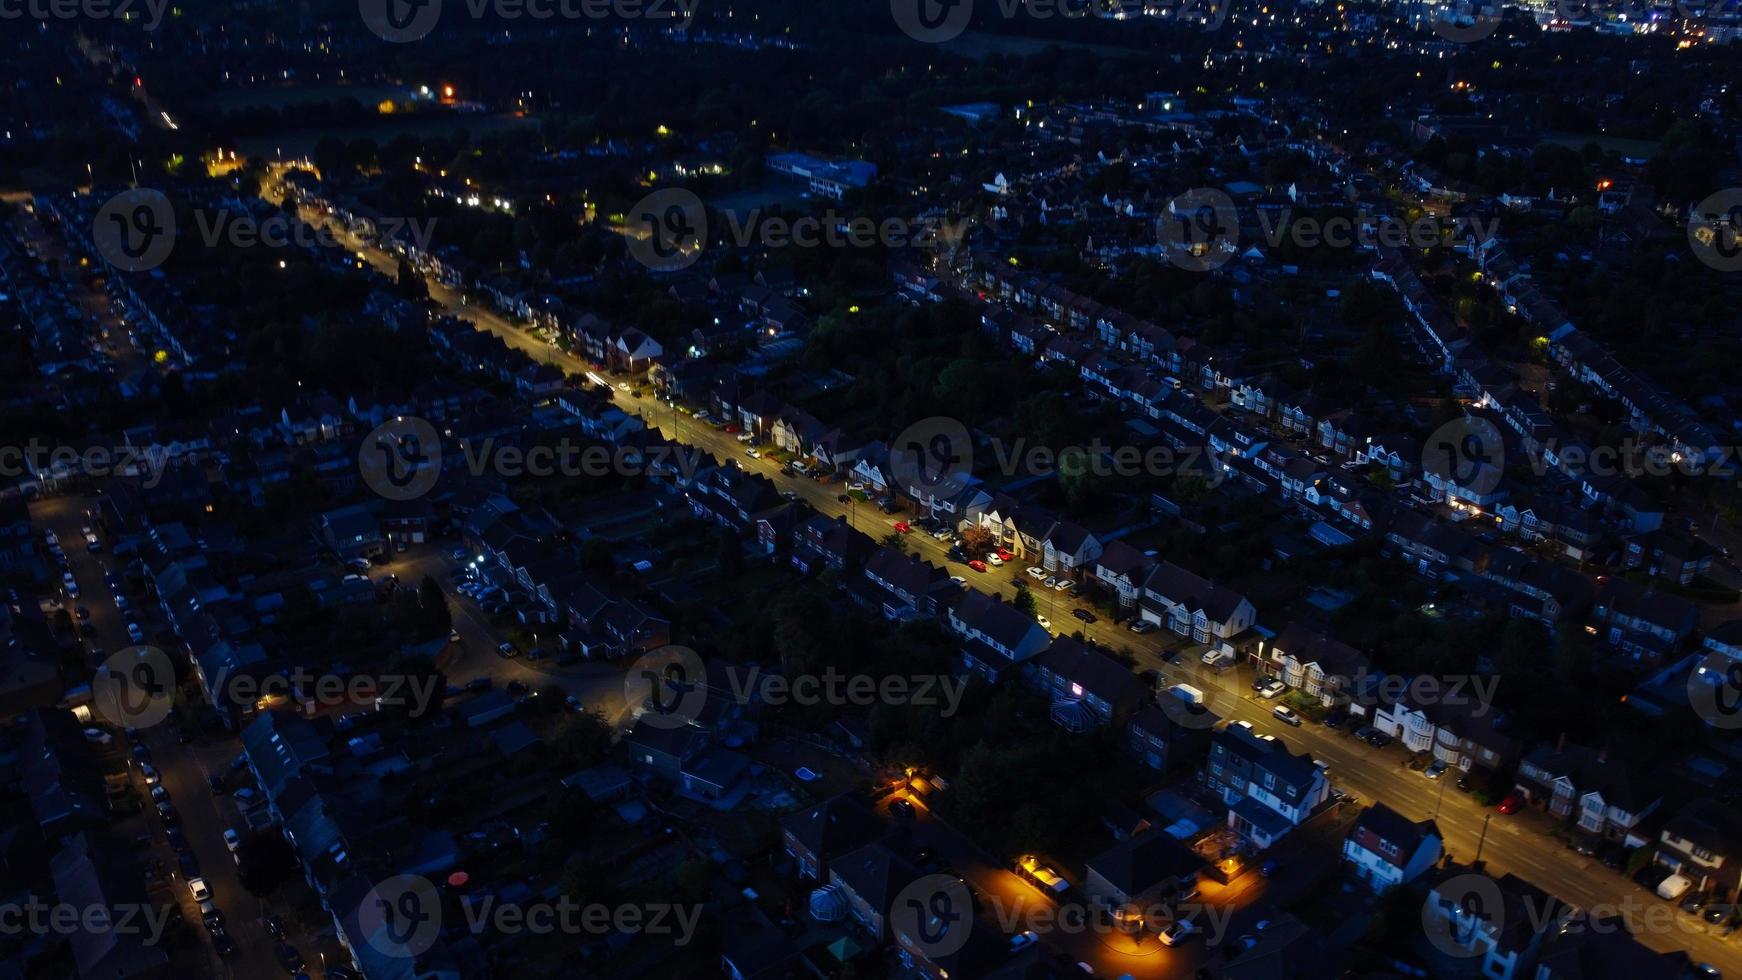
(731, 428)
(1510, 804)
(901, 527)
(1005, 555)
(977, 565)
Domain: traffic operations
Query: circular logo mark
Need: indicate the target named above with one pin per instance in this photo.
(668, 229)
(932, 21)
(401, 459)
(1715, 691)
(1200, 230)
(399, 21)
(135, 230)
(134, 687)
(933, 914)
(1454, 909)
(667, 687)
(1715, 230)
(1467, 21)
(401, 916)
(933, 456)
(1467, 453)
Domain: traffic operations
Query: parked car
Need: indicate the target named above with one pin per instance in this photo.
(135, 633)
(1084, 615)
(1510, 804)
(993, 559)
(1045, 624)
(1177, 932)
(1272, 689)
(199, 890)
(976, 564)
(1036, 572)
(507, 649)
(1140, 626)
(1435, 771)
(232, 839)
(902, 527)
(903, 808)
(1286, 715)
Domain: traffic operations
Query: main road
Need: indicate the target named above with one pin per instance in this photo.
(1507, 844)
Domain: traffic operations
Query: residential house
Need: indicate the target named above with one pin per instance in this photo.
(1702, 842)
(836, 826)
(1313, 663)
(1603, 795)
(1385, 850)
(1507, 938)
(1642, 622)
(995, 634)
(870, 878)
(1193, 606)
(1145, 871)
(1269, 790)
(1087, 688)
(1123, 569)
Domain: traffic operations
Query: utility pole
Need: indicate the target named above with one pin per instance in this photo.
(1484, 838)
(1438, 799)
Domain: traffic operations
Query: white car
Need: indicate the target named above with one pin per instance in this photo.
(993, 559)
(752, 453)
(1273, 689)
(1036, 572)
(1176, 933)
(1286, 715)
(232, 839)
(959, 580)
(1045, 624)
(197, 887)
(1061, 585)
(1243, 724)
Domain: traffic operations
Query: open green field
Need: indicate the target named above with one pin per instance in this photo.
(303, 141)
(277, 97)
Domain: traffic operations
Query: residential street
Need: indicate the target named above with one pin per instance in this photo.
(1370, 773)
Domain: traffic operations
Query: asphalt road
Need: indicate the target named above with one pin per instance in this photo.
(1508, 845)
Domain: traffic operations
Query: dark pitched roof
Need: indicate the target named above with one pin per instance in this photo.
(835, 826)
(1134, 865)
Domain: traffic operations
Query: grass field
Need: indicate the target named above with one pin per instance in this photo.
(303, 141)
